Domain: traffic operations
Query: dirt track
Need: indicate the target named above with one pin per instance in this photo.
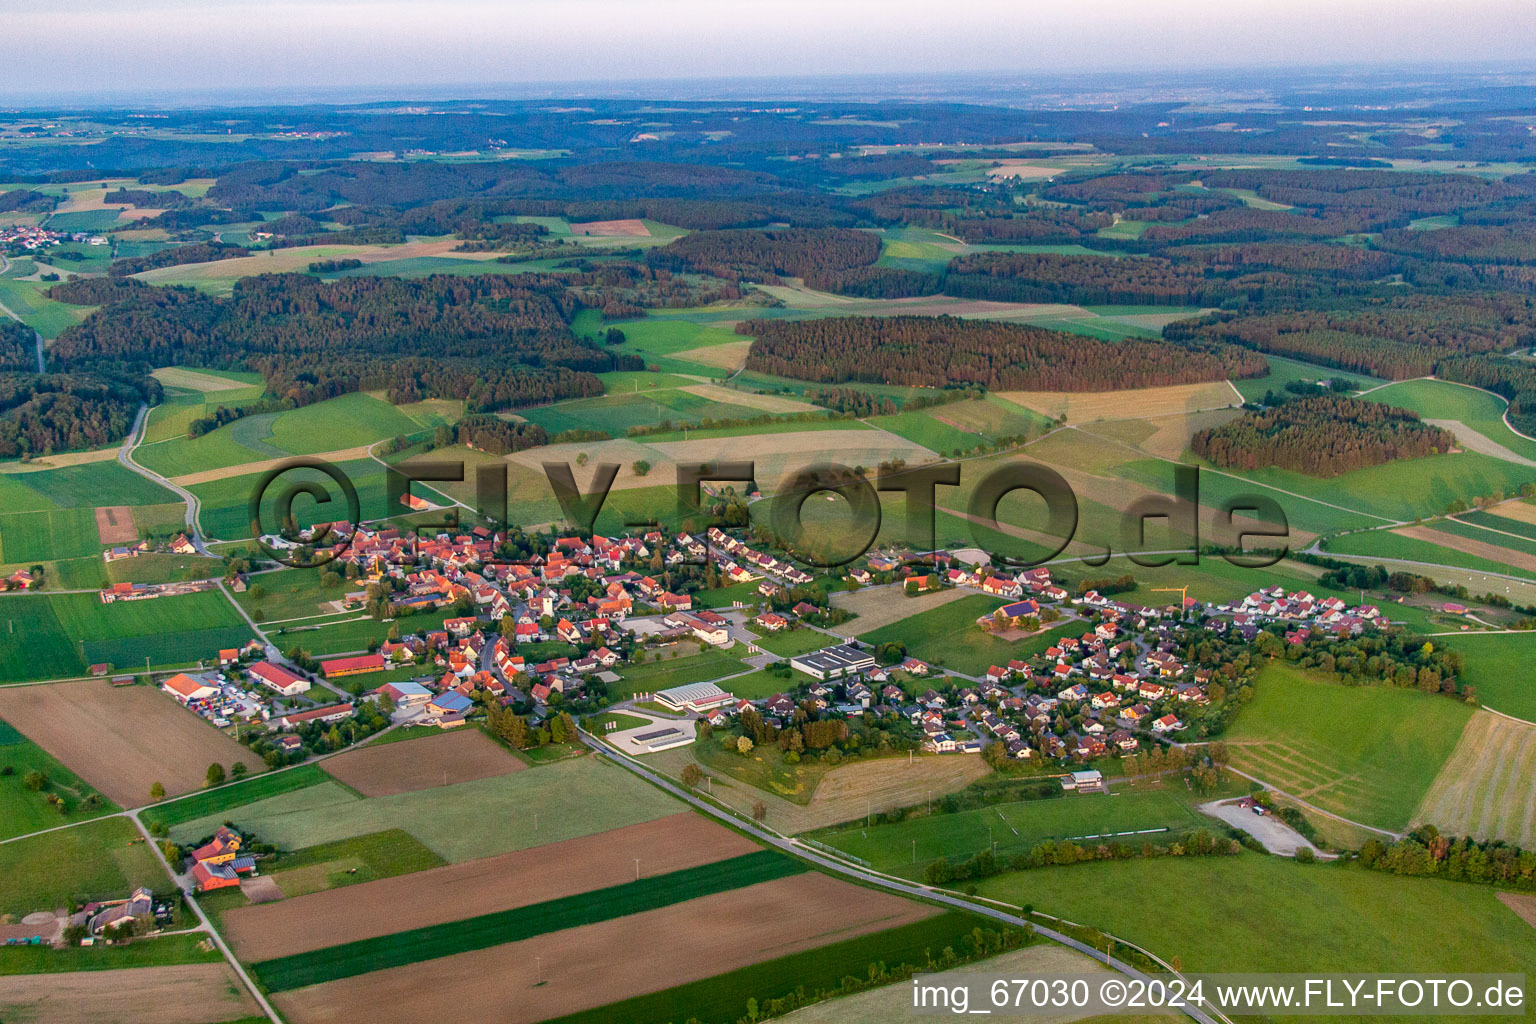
(476, 887)
(386, 769)
(188, 994)
(1467, 546)
(597, 964)
(120, 740)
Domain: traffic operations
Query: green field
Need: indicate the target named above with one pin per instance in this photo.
(292, 594)
(1498, 667)
(650, 676)
(226, 798)
(932, 635)
(419, 944)
(24, 810)
(101, 859)
(162, 951)
(352, 861)
(1367, 753)
(1443, 400)
(43, 536)
(339, 423)
(466, 821)
(1258, 913)
(724, 997)
(1283, 370)
(83, 486)
(907, 847)
(1384, 544)
(169, 630)
(26, 299)
(225, 503)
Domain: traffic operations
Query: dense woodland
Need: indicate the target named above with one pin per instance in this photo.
(493, 340)
(55, 412)
(941, 352)
(18, 346)
(1320, 436)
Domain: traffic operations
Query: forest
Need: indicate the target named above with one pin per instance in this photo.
(940, 352)
(1320, 436)
(497, 341)
(55, 412)
(18, 346)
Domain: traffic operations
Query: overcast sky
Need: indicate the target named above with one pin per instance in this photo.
(112, 47)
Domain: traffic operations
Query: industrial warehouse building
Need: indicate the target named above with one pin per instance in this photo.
(832, 662)
(700, 698)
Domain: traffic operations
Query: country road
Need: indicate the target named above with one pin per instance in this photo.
(871, 878)
(125, 456)
(42, 357)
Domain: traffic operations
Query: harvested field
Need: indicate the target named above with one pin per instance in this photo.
(843, 794)
(262, 465)
(192, 380)
(298, 259)
(767, 403)
(59, 461)
(1085, 406)
(1522, 904)
(1171, 437)
(1520, 511)
(114, 524)
(623, 451)
(186, 994)
(1473, 441)
(458, 756)
(1016, 169)
(589, 966)
(877, 608)
(1468, 546)
(261, 889)
(779, 455)
(612, 228)
(120, 740)
(732, 355)
(1485, 790)
(460, 891)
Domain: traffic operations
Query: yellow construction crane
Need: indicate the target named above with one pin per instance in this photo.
(1181, 591)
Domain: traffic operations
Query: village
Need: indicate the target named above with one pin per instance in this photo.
(556, 633)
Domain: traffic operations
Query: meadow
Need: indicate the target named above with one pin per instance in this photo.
(948, 636)
(1257, 913)
(434, 941)
(237, 794)
(169, 630)
(1498, 667)
(1367, 753)
(28, 301)
(85, 485)
(1443, 400)
(650, 676)
(24, 810)
(1283, 370)
(907, 847)
(42, 536)
(339, 424)
(161, 951)
(1484, 790)
(576, 797)
(102, 859)
(1389, 546)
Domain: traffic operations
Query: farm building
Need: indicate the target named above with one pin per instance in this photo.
(338, 667)
(187, 689)
(406, 695)
(831, 662)
(218, 864)
(275, 677)
(331, 713)
(700, 698)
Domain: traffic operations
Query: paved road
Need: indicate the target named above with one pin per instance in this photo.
(125, 456)
(871, 878)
